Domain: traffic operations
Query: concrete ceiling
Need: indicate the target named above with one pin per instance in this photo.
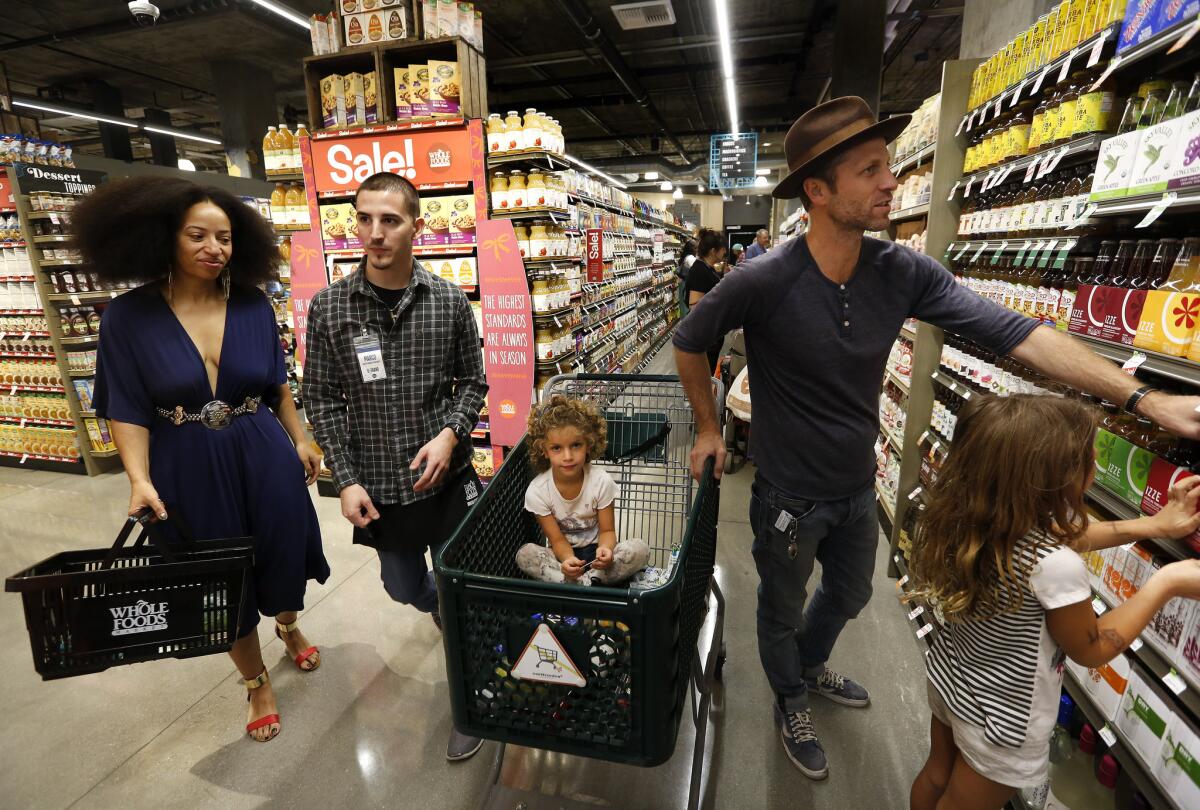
(536, 57)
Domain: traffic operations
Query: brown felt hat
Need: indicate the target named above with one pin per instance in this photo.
(826, 129)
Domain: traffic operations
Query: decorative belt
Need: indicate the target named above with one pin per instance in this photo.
(216, 415)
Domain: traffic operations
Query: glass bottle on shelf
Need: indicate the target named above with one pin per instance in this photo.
(1192, 102)
(1155, 92)
(1065, 128)
(1185, 270)
(1119, 270)
(1129, 118)
(1164, 259)
(1095, 108)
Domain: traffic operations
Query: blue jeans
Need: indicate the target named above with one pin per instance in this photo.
(408, 580)
(794, 642)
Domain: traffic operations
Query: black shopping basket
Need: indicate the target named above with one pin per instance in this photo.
(598, 672)
(87, 611)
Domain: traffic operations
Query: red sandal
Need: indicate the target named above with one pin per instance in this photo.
(304, 657)
(267, 720)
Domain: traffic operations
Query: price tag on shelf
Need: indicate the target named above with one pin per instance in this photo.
(1033, 253)
(1037, 85)
(1186, 37)
(25, 337)
(1134, 362)
(1083, 217)
(902, 581)
(1113, 64)
(971, 120)
(924, 631)
(75, 300)
(987, 180)
(953, 189)
(12, 391)
(1016, 96)
(1108, 735)
(999, 104)
(1021, 253)
(1066, 66)
(1162, 205)
(1061, 261)
(54, 218)
(1097, 49)
(24, 458)
(1033, 164)
(1045, 260)
(915, 612)
(1136, 645)
(979, 252)
(967, 190)
(22, 422)
(966, 247)
(996, 256)
(961, 124)
(1098, 606)
(1174, 682)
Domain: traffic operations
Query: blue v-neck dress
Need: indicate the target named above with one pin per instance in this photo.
(245, 480)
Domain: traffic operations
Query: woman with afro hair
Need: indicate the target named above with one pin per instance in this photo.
(191, 376)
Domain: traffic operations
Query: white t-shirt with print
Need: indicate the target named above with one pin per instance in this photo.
(1004, 673)
(578, 519)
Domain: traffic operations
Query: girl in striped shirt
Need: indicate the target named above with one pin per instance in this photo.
(998, 549)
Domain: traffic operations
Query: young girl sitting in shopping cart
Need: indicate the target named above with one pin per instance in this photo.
(573, 500)
(998, 548)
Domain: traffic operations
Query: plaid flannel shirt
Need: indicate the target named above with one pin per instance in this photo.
(370, 432)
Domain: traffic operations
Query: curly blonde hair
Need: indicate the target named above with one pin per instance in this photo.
(561, 411)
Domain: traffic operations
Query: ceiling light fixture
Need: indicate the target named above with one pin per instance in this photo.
(74, 113)
(762, 172)
(651, 175)
(724, 33)
(283, 11)
(186, 165)
(595, 171)
(677, 193)
(665, 186)
(174, 133)
(768, 143)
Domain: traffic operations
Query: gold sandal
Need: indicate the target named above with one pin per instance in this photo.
(266, 720)
(304, 657)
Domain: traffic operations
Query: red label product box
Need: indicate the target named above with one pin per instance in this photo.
(1122, 314)
(1164, 474)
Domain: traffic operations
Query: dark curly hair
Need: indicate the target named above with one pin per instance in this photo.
(561, 411)
(127, 229)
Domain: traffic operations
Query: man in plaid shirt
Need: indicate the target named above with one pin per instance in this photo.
(393, 384)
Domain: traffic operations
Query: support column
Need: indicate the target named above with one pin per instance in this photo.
(162, 147)
(106, 100)
(246, 103)
(858, 50)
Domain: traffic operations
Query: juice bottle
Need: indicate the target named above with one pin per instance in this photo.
(1049, 53)
(499, 192)
(297, 205)
(1163, 262)
(1037, 128)
(279, 212)
(1118, 271)
(532, 135)
(1065, 129)
(1094, 110)
(516, 190)
(1102, 267)
(1129, 118)
(1155, 92)
(270, 152)
(495, 134)
(301, 132)
(1183, 275)
(1138, 275)
(1018, 131)
(285, 145)
(513, 130)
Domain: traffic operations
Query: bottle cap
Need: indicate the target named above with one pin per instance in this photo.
(1109, 769)
(1066, 709)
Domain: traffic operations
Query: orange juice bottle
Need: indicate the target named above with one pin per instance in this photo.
(297, 205)
(279, 211)
(270, 152)
(286, 144)
(301, 132)
(1171, 314)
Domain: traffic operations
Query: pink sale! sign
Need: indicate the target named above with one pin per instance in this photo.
(508, 349)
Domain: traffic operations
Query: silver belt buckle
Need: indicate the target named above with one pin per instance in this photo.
(216, 415)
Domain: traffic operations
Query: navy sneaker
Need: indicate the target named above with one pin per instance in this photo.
(800, 742)
(838, 688)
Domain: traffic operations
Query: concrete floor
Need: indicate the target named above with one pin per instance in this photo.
(369, 728)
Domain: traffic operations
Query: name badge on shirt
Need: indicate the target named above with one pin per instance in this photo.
(369, 352)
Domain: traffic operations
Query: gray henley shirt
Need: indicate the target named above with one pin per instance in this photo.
(817, 352)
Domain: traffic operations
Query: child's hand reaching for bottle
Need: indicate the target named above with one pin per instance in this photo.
(604, 558)
(572, 567)
(1179, 517)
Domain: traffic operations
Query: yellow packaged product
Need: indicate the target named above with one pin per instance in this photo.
(418, 90)
(445, 89)
(371, 97)
(356, 101)
(462, 220)
(400, 82)
(333, 101)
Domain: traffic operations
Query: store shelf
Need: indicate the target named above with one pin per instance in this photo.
(915, 212)
(59, 263)
(1053, 69)
(29, 420)
(554, 313)
(286, 177)
(1184, 201)
(48, 463)
(532, 159)
(1176, 368)
(104, 453)
(292, 228)
(1088, 144)
(1117, 509)
(1129, 761)
(81, 340)
(439, 250)
(26, 356)
(556, 361)
(35, 389)
(82, 375)
(949, 382)
(914, 160)
(393, 126)
(79, 298)
(894, 377)
(557, 215)
(884, 499)
(896, 441)
(552, 260)
(50, 239)
(50, 215)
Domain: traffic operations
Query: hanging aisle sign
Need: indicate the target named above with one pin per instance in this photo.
(733, 160)
(595, 255)
(56, 179)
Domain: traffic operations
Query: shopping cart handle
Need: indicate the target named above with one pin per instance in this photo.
(623, 377)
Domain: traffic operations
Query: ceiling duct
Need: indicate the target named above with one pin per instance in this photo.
(632, 16)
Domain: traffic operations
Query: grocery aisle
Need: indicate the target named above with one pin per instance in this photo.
(370, 725)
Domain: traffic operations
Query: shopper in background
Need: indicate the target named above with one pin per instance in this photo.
(1008, 577)
(703, 277)
(393, 383)
(191, 376)
(736, 254)
(762, 241)
(686, 259)
(820, 314)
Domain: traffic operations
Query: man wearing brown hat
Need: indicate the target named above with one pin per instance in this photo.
(820, 314)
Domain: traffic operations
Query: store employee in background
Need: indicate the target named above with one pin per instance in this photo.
(820, 314)
(762, 240)
(393, 383)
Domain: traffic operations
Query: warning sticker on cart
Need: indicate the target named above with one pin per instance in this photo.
(546, 660)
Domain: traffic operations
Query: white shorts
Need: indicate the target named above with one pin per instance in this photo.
(1027, 766)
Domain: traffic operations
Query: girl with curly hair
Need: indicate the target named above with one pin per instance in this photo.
(191, 376)
(573, 500)
(998, 549)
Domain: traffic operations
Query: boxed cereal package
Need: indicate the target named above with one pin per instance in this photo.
(400, 81)
(333, 101)
(418, 90)
(356, 101)
(371, 98)
(436, 211)
(445, 89)
(462, 219)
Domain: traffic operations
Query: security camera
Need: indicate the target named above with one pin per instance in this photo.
(145, 13)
